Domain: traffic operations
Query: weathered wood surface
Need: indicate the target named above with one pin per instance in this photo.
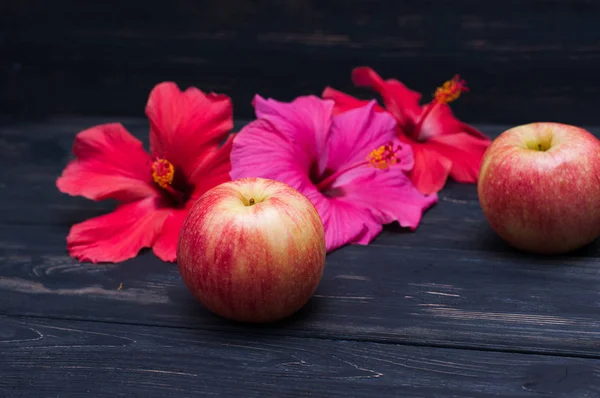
(65, 358)
(524, 59)
(417, 296)
(447, 311)
(70, 357)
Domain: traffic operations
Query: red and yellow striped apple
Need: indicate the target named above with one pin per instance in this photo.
(539, 187)
(252, 250)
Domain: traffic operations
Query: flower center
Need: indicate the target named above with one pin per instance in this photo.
(384, 156)
(163, 172)
(446, 93)
(380, 158)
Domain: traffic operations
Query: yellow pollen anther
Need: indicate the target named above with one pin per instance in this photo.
(384, 156)
(163, 172)
(450, 90)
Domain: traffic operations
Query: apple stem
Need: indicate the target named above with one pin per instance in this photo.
(251, 201)
(539, 147)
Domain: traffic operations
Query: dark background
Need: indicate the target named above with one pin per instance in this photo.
(524, 60)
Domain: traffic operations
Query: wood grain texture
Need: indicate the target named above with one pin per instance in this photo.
(525, 60)
(447, 311)
(447, 298)
(42, 358)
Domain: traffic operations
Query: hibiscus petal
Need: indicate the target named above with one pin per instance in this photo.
(356, 133)
(400, 101)
(305, 121)
(345, 102)
(110, 163)
(430, 170)
(345, 223)
(464, 151)
(390, 197)
(441, 121)
(213, 169)
(165, 246)
(261, 150)
(183, 125)
(119, 235)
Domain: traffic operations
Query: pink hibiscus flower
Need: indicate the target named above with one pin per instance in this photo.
(352, 167)
(155, 190)
(442, 145)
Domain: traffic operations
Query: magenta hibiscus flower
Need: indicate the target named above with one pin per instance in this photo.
(351, 166)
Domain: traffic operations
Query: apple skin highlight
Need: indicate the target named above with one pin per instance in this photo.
(252, 250)
(539, 187)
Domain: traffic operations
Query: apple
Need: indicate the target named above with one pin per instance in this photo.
(539, 187)
(252, 250)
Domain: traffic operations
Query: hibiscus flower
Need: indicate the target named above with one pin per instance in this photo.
(442, 145)
(154, 190)
(352, 166)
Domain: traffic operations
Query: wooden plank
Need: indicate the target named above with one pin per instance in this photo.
(450, 298)
(523, 65)
(43, 357)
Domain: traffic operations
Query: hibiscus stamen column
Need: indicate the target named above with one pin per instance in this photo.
(384, 156)
(446, 93)
(380, 158)
(163, 173)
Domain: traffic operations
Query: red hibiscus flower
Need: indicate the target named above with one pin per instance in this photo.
(442, 145)
(154, 190)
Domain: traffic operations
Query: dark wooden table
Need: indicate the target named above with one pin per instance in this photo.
(447, 311)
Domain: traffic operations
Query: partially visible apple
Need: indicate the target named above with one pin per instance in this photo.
(252, 250)
(539, 187)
